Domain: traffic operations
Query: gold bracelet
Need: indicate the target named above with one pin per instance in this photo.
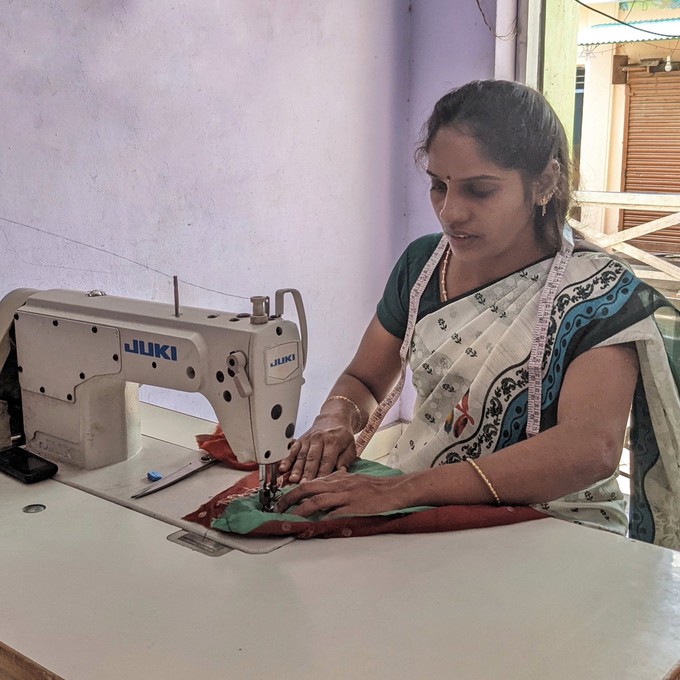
(485, 479)
(351, 403)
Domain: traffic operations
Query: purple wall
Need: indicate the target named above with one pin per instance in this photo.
(450, 45)
(243, 145)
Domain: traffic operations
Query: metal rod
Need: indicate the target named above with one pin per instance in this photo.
(269, 490)
(175, 284)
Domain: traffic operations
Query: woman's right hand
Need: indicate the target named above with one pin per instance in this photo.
(327, 446)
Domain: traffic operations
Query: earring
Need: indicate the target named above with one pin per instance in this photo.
(544, 201)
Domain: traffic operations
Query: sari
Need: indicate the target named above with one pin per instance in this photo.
(469, 361)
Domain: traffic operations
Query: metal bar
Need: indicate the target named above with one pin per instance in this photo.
(175, 285)
(589, 232)
(651, 260)
(641, 230)
(650, 274)
(615, 199)
(600, 239)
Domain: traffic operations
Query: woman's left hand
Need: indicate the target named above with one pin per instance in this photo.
(343, 493)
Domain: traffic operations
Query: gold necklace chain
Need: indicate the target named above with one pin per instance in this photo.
(443, 294)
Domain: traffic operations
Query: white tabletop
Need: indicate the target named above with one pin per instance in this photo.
(92, 590)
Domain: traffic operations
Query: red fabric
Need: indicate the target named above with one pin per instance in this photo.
(218, 447)
(447, 518)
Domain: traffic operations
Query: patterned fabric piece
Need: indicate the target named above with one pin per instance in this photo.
(237, 510)
(469, 362)
(218, 447)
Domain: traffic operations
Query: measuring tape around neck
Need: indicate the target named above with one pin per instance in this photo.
(545, 305)
(414, 303)
(548, 293)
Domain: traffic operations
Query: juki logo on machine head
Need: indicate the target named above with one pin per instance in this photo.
(282, 361)
(152, 349)
(279, 361)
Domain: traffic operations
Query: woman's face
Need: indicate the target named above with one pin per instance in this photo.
(484, 210)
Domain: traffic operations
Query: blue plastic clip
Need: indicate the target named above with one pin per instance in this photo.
(153, 476)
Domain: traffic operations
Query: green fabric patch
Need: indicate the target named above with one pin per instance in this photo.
(244, 515)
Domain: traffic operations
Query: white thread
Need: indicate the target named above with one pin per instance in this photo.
(120, 257)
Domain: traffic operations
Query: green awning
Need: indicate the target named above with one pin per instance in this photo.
(608, 34)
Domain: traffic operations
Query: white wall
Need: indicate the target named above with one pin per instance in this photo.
(243, 145)
(451, 46)
(596, 133)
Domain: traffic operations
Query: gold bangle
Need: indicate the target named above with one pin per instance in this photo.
(351, 403)
(485, 479)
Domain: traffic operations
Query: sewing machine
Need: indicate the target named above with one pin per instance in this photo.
(121, 585)
(79, 357)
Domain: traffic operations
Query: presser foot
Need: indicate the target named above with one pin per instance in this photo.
(268, 498)
(269, 489)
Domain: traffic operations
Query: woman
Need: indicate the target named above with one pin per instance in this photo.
(502, 279)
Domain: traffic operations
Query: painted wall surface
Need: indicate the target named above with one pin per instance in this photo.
(451, 46)
(596, 132)
(559, 59)
(243, 145)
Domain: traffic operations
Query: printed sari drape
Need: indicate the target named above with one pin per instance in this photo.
(469, 363)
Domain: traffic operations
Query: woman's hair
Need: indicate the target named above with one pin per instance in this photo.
(517, 129)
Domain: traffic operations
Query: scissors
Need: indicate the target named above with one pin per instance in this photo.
(205, 461)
